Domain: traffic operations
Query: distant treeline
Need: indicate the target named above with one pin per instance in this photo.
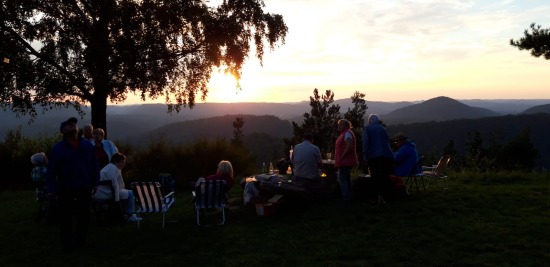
(431, 138)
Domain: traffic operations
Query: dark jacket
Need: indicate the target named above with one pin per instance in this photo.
(376, 142)
(69, 167)
(406, 159)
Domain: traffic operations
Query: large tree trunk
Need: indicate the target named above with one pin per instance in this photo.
(99, 113)
(98, 46)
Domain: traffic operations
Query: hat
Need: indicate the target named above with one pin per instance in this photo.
(307, 136)
(399, 136)
(71, 119)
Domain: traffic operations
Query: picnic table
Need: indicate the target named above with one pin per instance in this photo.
(306, 192)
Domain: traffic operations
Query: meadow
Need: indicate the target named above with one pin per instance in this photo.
(483, 219)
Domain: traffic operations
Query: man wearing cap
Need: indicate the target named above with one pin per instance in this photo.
(307, 160)
(72, 175)
(406, 157)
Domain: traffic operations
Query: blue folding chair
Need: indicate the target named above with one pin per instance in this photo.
(210, 194)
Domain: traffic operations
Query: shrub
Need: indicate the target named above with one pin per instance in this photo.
(16, 152)
(185, 162)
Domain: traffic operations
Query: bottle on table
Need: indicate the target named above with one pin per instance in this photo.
(270, 168)
(264, 170)
(289, 174)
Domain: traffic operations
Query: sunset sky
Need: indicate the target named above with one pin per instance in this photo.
(396, 50)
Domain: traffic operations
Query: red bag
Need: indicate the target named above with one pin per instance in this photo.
(399, 190)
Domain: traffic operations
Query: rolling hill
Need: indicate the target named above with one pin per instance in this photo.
(436, 109)
(537, 109)
(505, 106)
(221, 127)
(128, 120)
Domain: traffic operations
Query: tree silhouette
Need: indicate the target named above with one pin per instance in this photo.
(238, 133)
(538, 41)
(321, 122)
(65, 53)
(357, 118)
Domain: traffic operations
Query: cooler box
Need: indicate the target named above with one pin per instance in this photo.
(263, 209)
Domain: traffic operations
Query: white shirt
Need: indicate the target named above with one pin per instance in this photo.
(111, 173)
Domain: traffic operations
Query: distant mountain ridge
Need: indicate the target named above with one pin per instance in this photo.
(436, 109)
(131, 120)
(217, 127)
(537, 109)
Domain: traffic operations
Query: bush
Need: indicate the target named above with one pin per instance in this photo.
(185, 162)
(15, 156)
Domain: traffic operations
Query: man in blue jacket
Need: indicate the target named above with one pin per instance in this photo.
(378, 156)
(72, 175)
(406, 157)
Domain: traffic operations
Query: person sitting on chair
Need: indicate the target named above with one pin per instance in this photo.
(38, 174)
(224, 172)
(112, 173)
(406, 157)
(307, 160)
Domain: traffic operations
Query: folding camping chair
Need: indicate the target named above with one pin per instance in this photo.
(110, 209)
(46, 205)
(416, 172)
(439, 171)
(210, 194)
(149, 197)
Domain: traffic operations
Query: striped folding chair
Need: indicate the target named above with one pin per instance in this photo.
(149, 197)
(210, 194)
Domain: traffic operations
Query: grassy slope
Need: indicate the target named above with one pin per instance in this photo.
(485, 220)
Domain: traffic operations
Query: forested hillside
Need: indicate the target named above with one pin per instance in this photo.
(217, 127)
(537, 109)
(432, 137)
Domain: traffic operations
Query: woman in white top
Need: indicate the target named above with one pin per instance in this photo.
(112, 173)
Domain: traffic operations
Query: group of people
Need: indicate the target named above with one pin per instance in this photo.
(378, 157)
(71, 177)
(77, 163)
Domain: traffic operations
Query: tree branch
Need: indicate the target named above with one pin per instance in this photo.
(32, 51)
(178, 54)
(84, 18)
(89, 8)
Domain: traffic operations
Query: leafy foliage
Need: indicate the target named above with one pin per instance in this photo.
(538, 41)
(16, 152)
(92, 50)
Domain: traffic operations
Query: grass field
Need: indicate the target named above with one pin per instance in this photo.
(481, 220)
